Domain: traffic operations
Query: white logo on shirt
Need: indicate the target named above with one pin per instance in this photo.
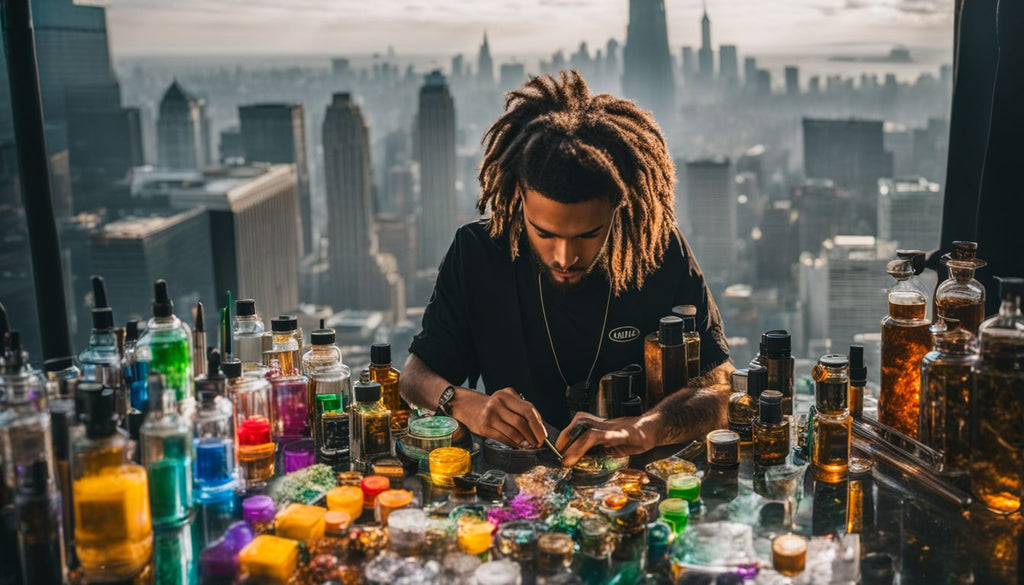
(624, 334)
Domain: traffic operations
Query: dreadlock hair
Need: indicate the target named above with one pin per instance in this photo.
(558, 139)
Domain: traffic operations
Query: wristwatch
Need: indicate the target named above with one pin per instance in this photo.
(444, 403)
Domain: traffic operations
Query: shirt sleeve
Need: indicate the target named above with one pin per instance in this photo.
(444, 342)
(692, 289)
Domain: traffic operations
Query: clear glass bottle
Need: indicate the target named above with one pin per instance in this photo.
(254, 443)
(323, 353)
(770, 430)
(288, 401)
(743, 405)
(214, 444)
(134, 373)
(331, 432)
(666, 361)
(946, 386)
(830, 453)
(247, 332)
(28, 477)
(691, 339)
(906, 338)
(101, 360)
(286, 349)
(370, 426)
(113, 531)
(167, 455)
(165, 347)
(389, 378)
(327, 374)
(997, 446)
(960, 296)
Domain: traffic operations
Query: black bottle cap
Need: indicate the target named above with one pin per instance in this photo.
(688, 313)
(56, 364)
(232, 368)
(162, 304)
(245, 307)
(380, 354)
(102, 314)
(322, 336)
(777, 344)
(98, 405)
(1010, 288)
(213, 365)
(757, 380)
(858, 372)
(155, 389)
(367, 391)
(131, 330)
(834, 360)
(284, 324)
(770, 406)
(62, 418)
(621, 382)
(670, 330)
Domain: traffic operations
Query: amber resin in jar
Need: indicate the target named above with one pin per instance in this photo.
(961, 297)
(946, 386)
(830, 453)
(906, 339)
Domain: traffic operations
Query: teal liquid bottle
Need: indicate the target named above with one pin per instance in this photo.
(165, 347)
(166, 439)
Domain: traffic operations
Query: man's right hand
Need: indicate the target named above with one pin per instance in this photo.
(503, 416)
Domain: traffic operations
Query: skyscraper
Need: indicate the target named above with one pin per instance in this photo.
(819, 205)
(435, 150)
(250, 243)
(910, 212)
(728, 63)
(647, 74)
(356, 278)
(276, 133)
(689, 67)
(181, 130)
(706, 55)
(850, 152)
(512, 76)
(792, 80)
(750, 73)
(711, 210)
(484, 64)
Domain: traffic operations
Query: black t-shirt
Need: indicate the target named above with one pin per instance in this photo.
(484, 320)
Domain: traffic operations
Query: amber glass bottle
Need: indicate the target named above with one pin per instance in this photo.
(906, 338)
(960, 296)
(831, 451)
(946, 385)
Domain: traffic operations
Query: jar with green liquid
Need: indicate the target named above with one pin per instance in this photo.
(167, 456)
(165, 346)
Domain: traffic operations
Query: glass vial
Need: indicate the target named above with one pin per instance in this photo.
(858, 380)
(113, 531)
(370, 426)
(946, 385)
(997, 448)
(254, 443)
(906, 338)
(771, 430)
(743, 405)
(247, 332)
(323, 353)
(830, 452)
(214, 443)
(167, 456)
(960, 296)
(331, 432)
(101, 360)
(165, 347)
(382, 372)
(691, 339)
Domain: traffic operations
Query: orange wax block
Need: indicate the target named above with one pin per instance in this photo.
(301, 522)
(269, 559)
(346, 498)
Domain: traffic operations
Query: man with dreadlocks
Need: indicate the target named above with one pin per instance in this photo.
(579, 258)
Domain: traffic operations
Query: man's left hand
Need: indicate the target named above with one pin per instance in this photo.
(620, 437)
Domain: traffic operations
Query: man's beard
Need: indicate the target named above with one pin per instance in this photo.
(597, 266)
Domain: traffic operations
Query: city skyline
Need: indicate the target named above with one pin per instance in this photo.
(221, 27)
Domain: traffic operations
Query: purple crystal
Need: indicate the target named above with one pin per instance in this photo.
(220, 559)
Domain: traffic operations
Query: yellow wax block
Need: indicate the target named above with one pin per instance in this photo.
(346, 498)
(269, 558)
(301, 522)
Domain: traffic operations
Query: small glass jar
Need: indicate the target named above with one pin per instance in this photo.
(298, 455)
(554, 553)
(372, 486)
(675, 512)
(389, 501)
(431, 432)
(258, 512)
(723, 448)
(407, 528)
(789, 554)
(498, 573)
(446, 463)
(474, 535)
(685, 486)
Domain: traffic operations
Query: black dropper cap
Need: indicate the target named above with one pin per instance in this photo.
(131, 330)
(858, 372)
(367, 391)
(102, 314)
(670, 330)
(162, 304)
(621, 386)
(98, 406)
(284, 324)
(245, 307)
(770, 407)
(1010, 288)
(232, 368)
(213, 365)
(380, 354)
(688, 313)
(757, 380)
(777, 344)
(322, 336)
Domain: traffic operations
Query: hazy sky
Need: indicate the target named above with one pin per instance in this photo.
(526, 27)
